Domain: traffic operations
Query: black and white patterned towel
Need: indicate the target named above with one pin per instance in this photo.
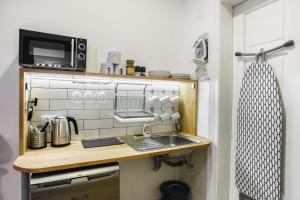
(259, 134)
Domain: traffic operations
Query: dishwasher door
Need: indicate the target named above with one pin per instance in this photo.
(96, 183)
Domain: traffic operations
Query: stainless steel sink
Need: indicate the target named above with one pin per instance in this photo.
(158, 142)
(172, 140)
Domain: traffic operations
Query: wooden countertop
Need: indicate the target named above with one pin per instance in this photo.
(74, 155)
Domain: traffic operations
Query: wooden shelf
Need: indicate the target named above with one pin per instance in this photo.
(48, 71)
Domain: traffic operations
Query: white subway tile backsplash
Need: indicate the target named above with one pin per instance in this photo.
(64, 104)
(42, 105)
(106, 114)
(75, 137)
(93, 105)
(100, 86)
(79, 124)
(91, 134)
(157, 122)
(86, 134)
(128, 87)
(37, 114)
(108, 104)
(159, 93)
(162, 128)
(48, 135)
(168, 109)
(84, 114)
(44, 93)
(65, 84)
(166, 121)
(119, 124)
(112, 132)
(95, 117)
(58, 104)
(122, 93)
(157, 110)
(135, 93)
(163, 87)
(134, 130)
(102, 123)
(71, 91)
(37, 123)
(108, 94)
(159, 105)
(39, 83)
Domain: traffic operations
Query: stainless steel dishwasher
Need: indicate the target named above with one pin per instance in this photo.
(89, 183)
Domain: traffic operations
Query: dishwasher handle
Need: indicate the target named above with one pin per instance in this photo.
(69, 177)
(96, 177)
(73, 174)
(75, 181)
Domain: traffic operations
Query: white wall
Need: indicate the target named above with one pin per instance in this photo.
(292, 162)
(197, 177)
(145, 30)
(216, 19)
(195, 22)
(140, 182)
(200, 16)
(225, 101)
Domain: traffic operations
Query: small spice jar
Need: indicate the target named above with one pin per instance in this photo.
(143, 71)
(130, 69)
(137, 71)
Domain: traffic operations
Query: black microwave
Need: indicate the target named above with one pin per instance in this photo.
(50, 51)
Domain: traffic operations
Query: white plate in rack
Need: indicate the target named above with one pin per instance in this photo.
(181, 75)
(159, 73)
(126, 117)
(139, 119)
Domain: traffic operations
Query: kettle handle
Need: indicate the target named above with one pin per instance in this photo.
(72, 119)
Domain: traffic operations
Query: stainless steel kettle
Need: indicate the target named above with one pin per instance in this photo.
(61, 131)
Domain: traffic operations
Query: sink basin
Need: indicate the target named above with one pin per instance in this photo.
(158, 142)
(172, 140)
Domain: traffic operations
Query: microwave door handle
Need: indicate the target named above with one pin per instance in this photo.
(72, 53)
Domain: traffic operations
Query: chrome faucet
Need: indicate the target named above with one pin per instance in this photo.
(176, 128)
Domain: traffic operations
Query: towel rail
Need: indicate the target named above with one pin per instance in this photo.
(261, 55)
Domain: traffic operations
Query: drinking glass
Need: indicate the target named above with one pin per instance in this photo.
(88, 96)
(100, 95)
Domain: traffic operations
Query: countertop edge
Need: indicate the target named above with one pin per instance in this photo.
(18, 167)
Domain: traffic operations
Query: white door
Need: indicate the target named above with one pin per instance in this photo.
(265, 24)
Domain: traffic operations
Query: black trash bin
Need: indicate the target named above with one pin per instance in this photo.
(175, 190)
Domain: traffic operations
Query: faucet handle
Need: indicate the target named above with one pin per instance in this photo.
(176, 126)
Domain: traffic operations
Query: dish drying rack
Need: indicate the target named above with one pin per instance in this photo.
(130, 105)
